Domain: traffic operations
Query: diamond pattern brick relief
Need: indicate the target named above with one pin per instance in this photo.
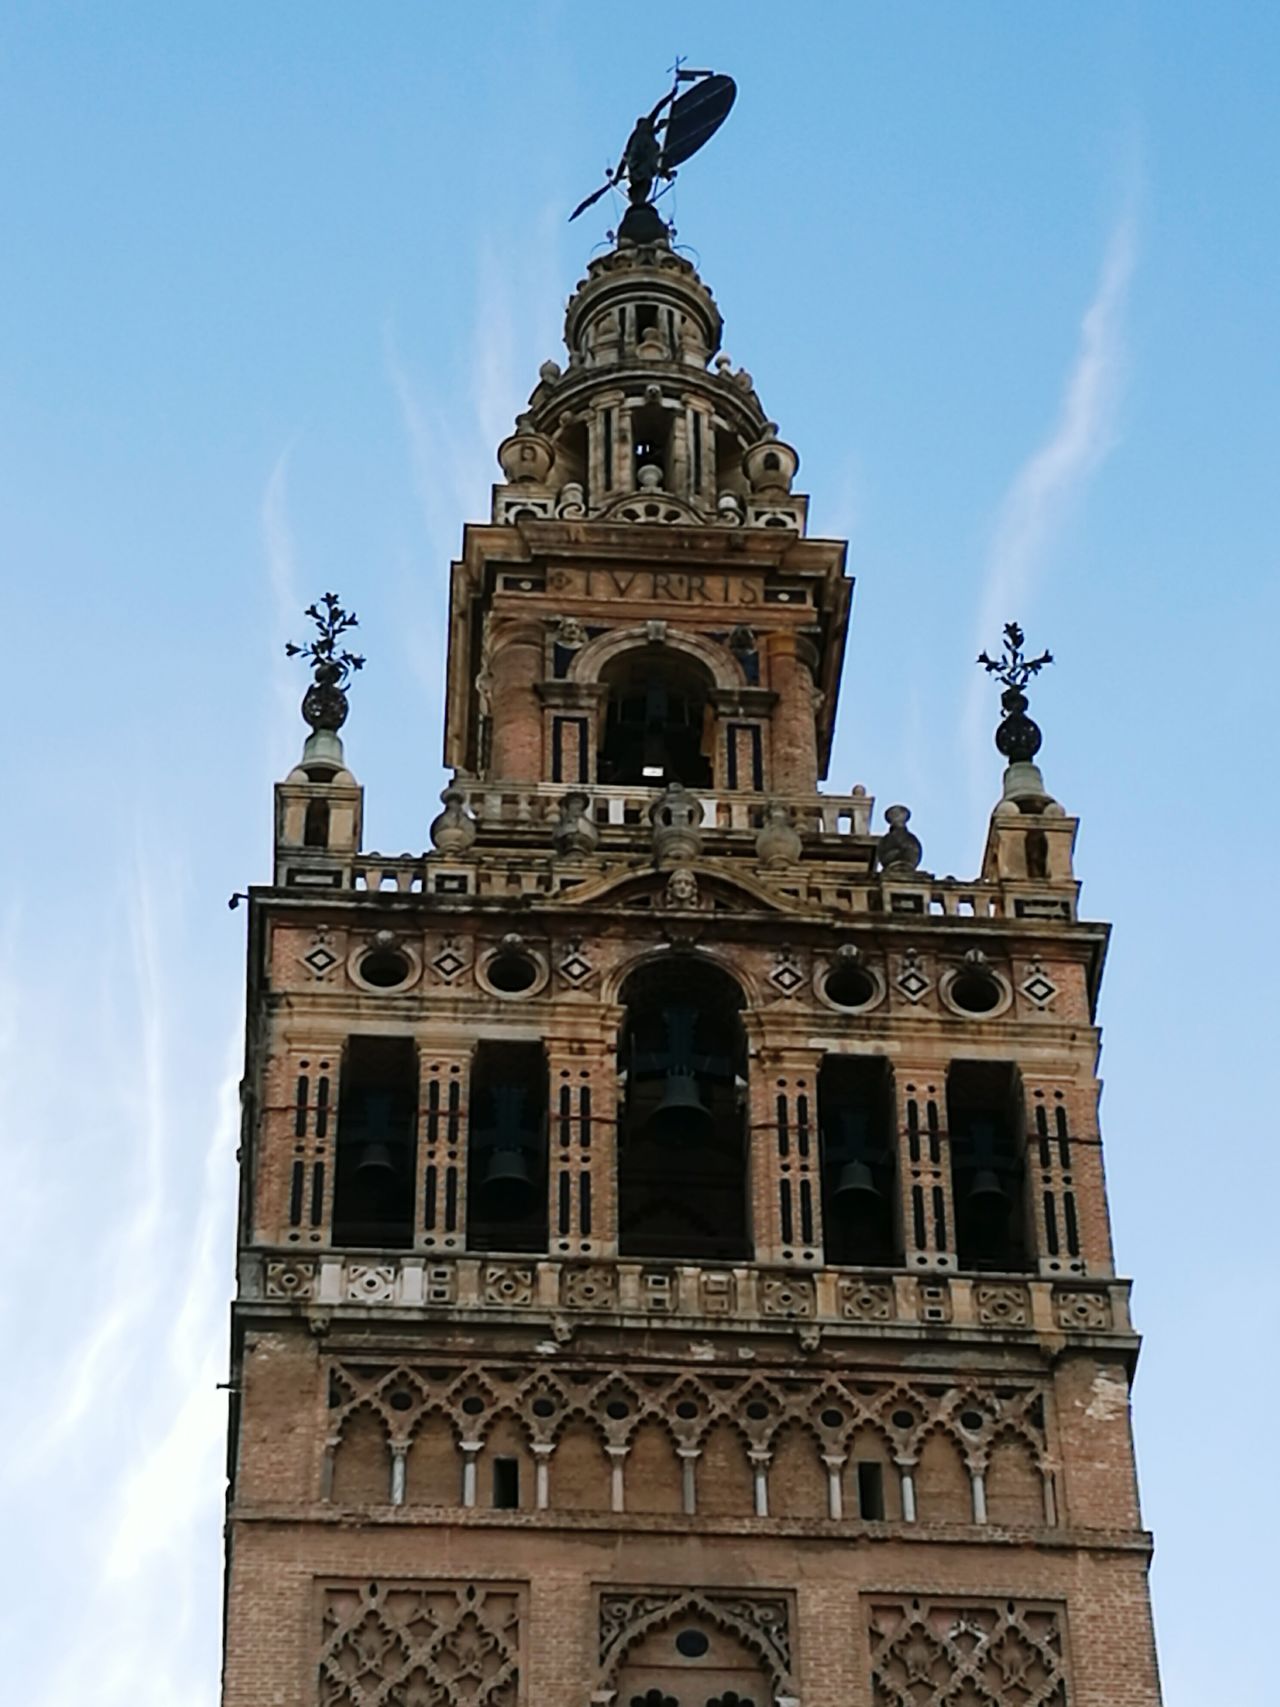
(913, 981)
(942, 1653)
(508, 1283)
(419, 1644)
(1038, 987)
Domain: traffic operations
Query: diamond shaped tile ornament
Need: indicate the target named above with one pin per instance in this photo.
(914, 982)
(575, 968)
(1038, 987)
(320, 958)
(449, 962)
(786, 975)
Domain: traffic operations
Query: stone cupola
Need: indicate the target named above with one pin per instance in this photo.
(649, 422)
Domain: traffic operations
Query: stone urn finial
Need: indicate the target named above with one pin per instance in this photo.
(575, 829)
(454, 829)
(899, 849)
(675, 817)
(778, 841)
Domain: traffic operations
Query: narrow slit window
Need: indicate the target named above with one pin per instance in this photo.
(870, 1490)
(506, 1484)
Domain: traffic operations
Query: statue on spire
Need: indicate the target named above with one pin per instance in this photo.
(661, 140)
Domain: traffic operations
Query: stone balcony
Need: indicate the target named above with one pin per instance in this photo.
(748, 1298)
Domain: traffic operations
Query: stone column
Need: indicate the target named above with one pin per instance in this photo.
(515, 670)
(794, 742)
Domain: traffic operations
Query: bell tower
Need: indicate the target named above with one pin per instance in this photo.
(674, 1266)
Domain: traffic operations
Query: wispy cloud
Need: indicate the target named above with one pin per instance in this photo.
(1041, 495)
(111, 1476)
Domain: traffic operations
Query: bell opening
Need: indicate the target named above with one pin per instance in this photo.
(682, 1135)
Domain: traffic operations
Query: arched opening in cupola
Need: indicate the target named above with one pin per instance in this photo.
(682, 1142)
(658, 722)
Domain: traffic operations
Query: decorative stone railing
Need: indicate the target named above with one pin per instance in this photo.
(534, 805)
(765, 1299)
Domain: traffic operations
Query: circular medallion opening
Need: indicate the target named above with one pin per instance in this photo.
(692, 1644)
(617, 1410)
(511, 972)
(473, 1406)
(903, 1419)
(975, 992)
(543, 1408)
(686, 1410)
(972, 1420)
(832, 1418)
(849, 987)
(385, 968)
(401, 1401)
(757, 1411)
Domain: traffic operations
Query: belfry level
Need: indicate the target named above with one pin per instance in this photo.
(674, 1264)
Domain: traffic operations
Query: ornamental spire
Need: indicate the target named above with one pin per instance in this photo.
(1018, 736)
(325, 705)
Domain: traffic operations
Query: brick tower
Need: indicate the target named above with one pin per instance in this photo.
(674, 1264)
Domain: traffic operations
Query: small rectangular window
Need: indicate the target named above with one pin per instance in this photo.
(870, 1490)
(506, 1484)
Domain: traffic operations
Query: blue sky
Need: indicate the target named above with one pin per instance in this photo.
(275, 280)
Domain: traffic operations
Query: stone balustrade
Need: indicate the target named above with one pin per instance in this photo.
(534, 805)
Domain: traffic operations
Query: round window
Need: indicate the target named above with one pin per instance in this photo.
(849, 985)
(975, 992)
(385, 968)
(692, 1644)
(512, 972)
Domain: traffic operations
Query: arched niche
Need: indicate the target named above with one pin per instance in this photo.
(695, 1653)
(682, 1151)
(657, 724)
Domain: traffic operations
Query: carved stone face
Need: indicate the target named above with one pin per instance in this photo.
(682, 889)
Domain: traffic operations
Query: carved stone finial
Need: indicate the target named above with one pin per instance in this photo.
(675, 817)
(899, 849)
(454, 829)
(575, 830)
(778, 841)
(324, 705)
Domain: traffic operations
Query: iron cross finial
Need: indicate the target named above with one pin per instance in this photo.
(1015, 670)
(332, 667)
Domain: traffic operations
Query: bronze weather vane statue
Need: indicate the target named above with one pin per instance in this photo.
(663, 139)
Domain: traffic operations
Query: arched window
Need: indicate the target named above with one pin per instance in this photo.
(657, 721)
(682, 1158)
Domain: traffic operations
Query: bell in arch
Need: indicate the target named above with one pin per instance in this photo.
(681, 1117)
(506, 1188)
(986, 1195)
(855, 1188)
(376, 1161)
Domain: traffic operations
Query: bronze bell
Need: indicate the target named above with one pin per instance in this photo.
(506, 1187)
(681, 1117)
(376, 1164)
(986, 1194)
(855, 1188)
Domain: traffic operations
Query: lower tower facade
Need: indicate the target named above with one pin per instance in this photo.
(674, 1264)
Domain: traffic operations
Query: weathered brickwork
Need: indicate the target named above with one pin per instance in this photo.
(674, 1262)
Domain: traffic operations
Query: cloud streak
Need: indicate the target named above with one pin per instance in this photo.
(1044, 489)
